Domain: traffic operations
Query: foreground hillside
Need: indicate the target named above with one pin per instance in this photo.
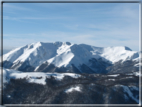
(71, 88)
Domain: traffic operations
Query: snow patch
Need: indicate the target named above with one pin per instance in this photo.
(137, 65)
(129, 77)
(8, 96)
(111, 79)
(114, 75)
(77, 88)
(130, 74)
(137, 73)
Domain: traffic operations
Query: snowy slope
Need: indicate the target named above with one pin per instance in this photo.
(78, 54)
(115, 54)
(35, 53)
(63, 57)
(63, 54)
(34, 77)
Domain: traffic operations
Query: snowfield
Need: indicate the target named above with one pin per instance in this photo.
(34, 77)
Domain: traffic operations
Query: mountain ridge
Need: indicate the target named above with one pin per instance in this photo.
(64, 55)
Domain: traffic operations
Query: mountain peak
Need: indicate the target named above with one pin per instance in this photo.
(127, 48)
(58, 43)
(68, 43)
(36, 44)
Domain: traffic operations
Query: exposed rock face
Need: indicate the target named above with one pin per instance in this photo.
(23, 66)
(123, 67)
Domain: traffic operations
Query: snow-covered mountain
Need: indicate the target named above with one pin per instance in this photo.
(66, 57)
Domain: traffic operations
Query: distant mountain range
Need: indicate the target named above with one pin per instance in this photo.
(74, 58)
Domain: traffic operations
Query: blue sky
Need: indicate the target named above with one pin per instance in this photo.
(97, 24)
